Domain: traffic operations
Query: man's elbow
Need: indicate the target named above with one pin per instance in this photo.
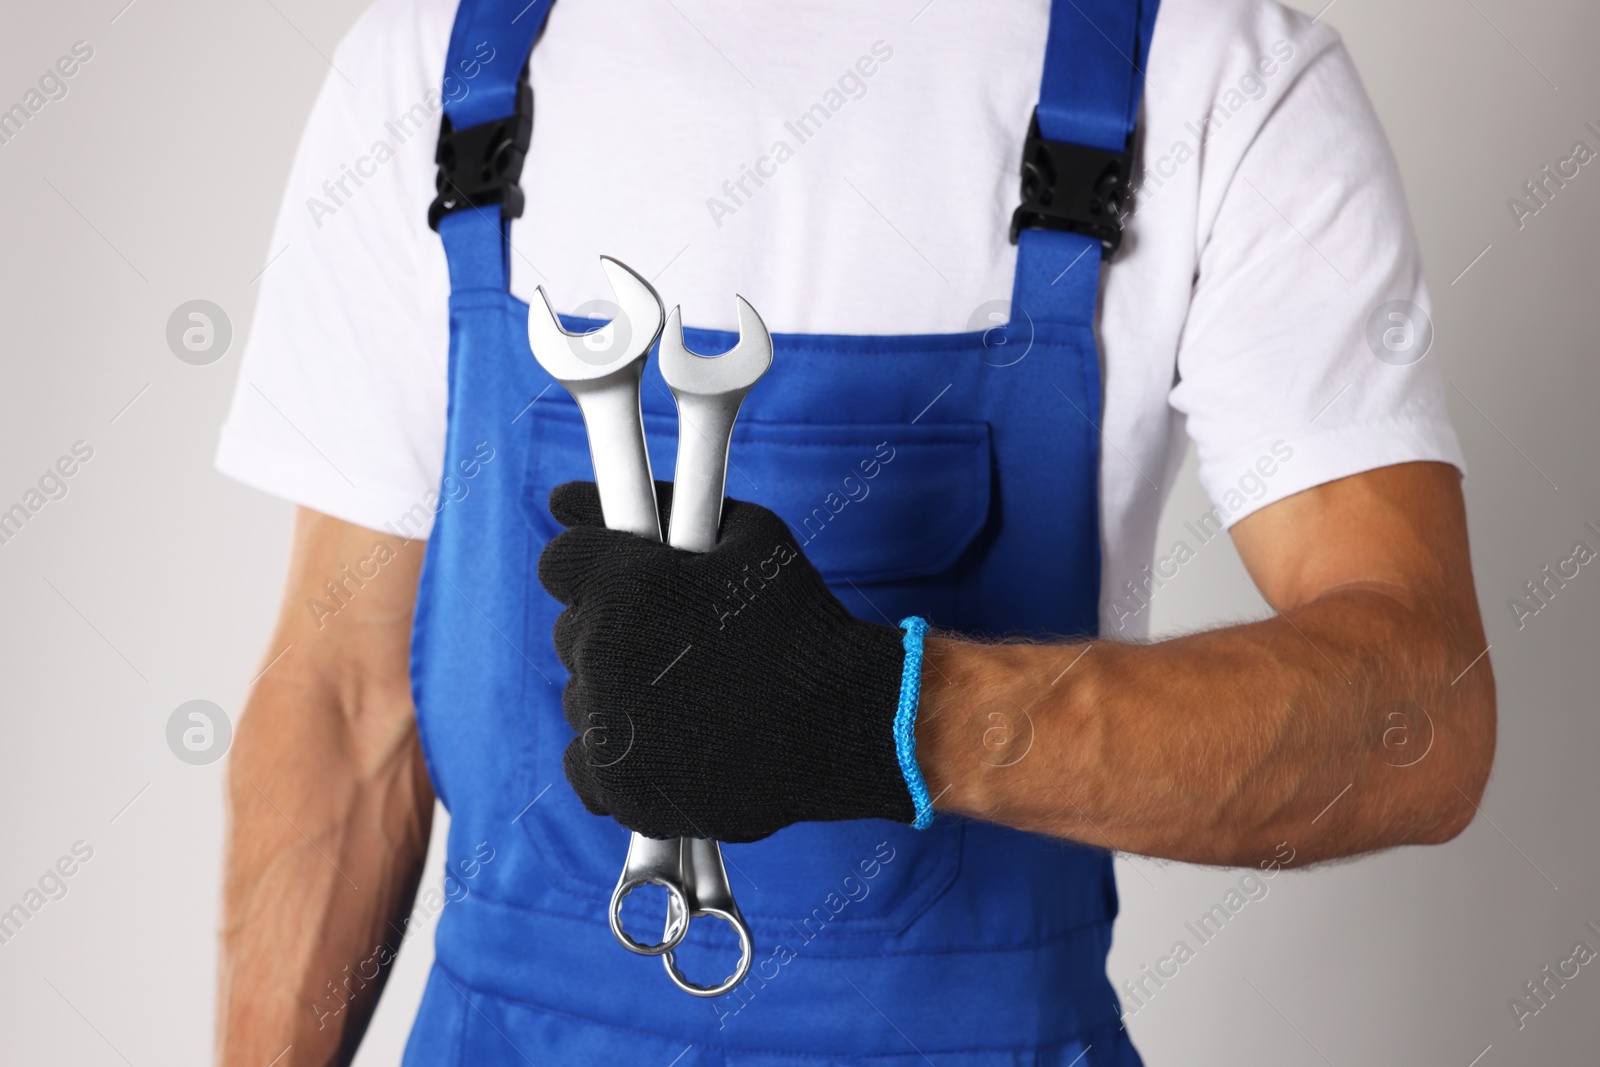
(1453, 819)
(1459, 791)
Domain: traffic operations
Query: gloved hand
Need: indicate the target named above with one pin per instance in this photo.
(724, 694)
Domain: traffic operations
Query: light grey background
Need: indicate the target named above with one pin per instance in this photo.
(154, 581)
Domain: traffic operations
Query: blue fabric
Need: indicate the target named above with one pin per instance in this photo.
(510, 30)
(947, 477)
(905, 721)
(1094, 71)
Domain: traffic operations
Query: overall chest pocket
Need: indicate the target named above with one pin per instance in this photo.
(892, 516)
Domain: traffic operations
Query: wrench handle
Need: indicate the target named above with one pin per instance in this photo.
(621, 461)
(701, 475)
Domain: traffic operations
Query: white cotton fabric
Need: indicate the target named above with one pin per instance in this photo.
(1269, 229)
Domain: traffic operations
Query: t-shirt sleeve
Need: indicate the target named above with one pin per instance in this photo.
(1307, 354)
(340, 401)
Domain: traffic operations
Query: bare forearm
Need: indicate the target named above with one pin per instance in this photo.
(323, 858)
(1336, 728)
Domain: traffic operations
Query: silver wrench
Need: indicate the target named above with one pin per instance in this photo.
(605, 383)
(709, 392)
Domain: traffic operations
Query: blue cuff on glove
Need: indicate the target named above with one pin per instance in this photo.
(905, 720)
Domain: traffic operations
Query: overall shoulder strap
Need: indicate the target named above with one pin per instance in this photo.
(484, 137)
(1077, 157)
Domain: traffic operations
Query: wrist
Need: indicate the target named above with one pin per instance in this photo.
(986, 720)
(938, 727)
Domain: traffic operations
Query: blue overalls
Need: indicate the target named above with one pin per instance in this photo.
(934, 475)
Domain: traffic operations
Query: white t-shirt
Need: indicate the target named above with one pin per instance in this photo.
(1247, 304)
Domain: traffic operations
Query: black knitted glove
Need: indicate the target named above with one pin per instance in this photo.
(725, 694)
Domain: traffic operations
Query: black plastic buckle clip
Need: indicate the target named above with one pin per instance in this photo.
(482, 164)
(1072, 187)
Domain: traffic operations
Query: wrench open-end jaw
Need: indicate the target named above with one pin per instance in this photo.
(709, 391)
(602, 371)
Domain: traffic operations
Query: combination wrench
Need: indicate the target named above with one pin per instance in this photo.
(709, 392)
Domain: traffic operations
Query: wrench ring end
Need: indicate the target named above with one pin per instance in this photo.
(677, 916)
(746, 956)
